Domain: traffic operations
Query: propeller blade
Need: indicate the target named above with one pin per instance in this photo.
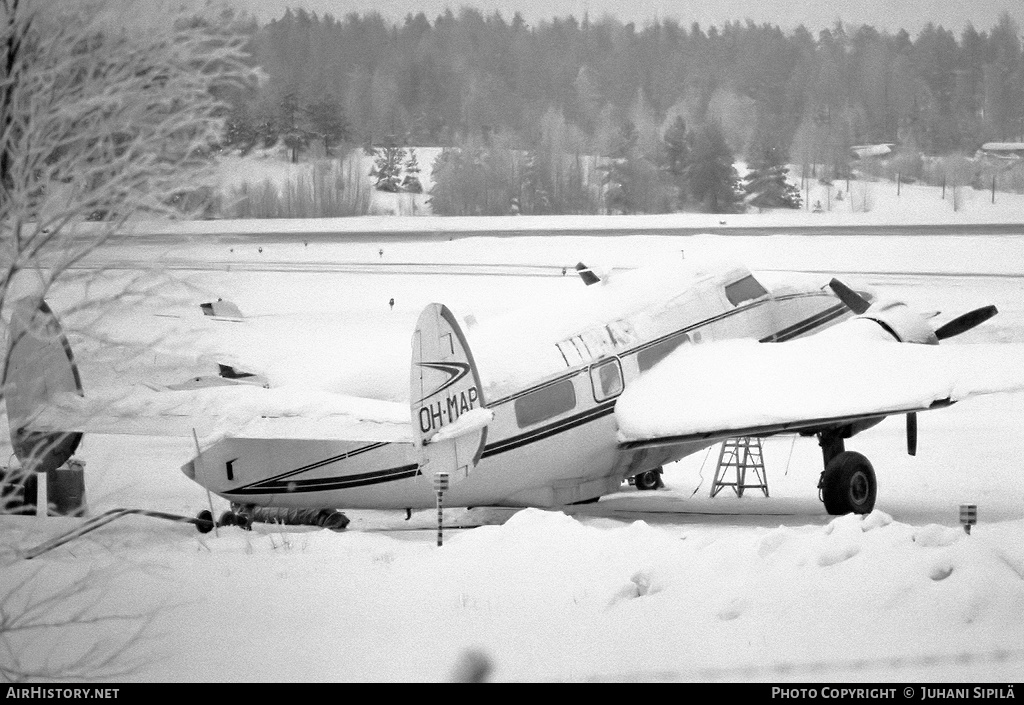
(912, 433)
(964, 323)
(854, 301)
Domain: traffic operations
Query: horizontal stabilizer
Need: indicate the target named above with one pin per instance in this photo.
(235, 410)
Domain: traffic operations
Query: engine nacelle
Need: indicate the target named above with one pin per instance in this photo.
(901, 322)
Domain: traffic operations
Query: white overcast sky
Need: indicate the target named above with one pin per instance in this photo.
(814, 14)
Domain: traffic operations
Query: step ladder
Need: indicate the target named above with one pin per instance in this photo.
(740, 455)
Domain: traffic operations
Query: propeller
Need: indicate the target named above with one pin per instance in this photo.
(854, 301)
(912, 433)
(965, 322)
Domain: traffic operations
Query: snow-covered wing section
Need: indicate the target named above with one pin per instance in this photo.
(719, 389)
(240, 411)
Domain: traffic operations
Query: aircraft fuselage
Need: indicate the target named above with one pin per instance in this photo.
(551, 442)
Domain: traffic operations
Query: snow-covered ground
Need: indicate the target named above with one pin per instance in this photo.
(669, 585)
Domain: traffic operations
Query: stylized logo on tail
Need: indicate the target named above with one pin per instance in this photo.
(455, 371)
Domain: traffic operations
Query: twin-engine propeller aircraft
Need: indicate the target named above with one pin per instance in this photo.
(647, 368)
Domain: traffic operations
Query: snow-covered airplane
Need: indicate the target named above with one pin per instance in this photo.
(638, 371)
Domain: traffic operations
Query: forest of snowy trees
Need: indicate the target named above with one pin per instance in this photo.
(538, 115)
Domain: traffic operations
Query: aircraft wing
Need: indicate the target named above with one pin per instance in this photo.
(846, 374)
(236, 411)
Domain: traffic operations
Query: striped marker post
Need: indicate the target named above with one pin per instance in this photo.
(440, 485)
(968, 516)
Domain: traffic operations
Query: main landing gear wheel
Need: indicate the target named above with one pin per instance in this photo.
(650, 480)
(238, 519)
(848, 484)
(204, 521)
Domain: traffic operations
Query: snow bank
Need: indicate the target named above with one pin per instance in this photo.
(549, 597)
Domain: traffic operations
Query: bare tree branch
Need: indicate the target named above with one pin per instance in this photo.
(105, 117)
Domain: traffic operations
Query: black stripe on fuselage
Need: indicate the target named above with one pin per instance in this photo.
(550, 430)
(806, 325)
(329, 483)
(277, 480)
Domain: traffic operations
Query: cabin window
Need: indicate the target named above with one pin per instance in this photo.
(649, 357)
(545, 403)
(745, 289)
(606, 378)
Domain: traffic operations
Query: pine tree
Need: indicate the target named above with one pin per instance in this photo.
(240, 132)
(387, 166)
(676, 157)
(618, 177)
(327, 121)
(766, 185)
(712, 178)
(411, 181)
(534, 199)
(294, 137)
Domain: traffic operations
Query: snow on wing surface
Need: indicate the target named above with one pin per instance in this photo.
(236, 411)
(744, 385)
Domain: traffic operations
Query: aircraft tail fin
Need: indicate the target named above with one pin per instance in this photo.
(587, 274)
(222, 309)
(39, 365)
(449, 418)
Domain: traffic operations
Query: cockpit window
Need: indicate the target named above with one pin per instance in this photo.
(745, 289)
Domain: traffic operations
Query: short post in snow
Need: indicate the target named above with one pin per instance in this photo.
(968, 516)
(42, 495)
(440, 485)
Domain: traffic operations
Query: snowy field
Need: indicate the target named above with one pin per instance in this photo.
(667, 585)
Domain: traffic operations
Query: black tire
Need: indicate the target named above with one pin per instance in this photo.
(650, 480)
(332, 519)
(228, 519)
(204, 521)
(243, 521)
(848, 484)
